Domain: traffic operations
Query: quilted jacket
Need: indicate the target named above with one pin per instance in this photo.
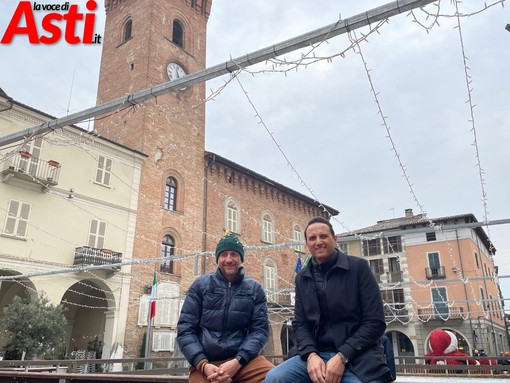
(221, 320)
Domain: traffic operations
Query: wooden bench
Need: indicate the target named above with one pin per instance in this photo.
(56, 377)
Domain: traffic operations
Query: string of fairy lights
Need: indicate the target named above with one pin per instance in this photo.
(282, 66)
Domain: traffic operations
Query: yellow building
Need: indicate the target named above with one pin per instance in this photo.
(68, 201)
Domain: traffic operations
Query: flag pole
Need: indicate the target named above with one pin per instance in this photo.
(147, 364)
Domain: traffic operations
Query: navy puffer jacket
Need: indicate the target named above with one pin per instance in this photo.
(221, 320)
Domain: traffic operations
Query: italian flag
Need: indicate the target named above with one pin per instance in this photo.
(153, 297)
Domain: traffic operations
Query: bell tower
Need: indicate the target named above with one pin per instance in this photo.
(149, 42)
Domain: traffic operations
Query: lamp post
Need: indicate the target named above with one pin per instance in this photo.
(507, 27)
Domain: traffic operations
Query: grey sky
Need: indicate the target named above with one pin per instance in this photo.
(324, 116)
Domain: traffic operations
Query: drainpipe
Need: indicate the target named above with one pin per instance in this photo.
(204, 223)
(473, 334)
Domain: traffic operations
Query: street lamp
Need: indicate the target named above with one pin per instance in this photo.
(507, 27)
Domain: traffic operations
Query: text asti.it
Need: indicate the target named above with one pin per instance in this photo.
(64, 20)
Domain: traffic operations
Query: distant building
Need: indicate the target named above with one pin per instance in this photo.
(434, 273)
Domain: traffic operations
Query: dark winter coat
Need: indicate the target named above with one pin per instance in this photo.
(221, 320)
(355, 311)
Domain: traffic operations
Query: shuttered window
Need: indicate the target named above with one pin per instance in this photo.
(104, 170)
(16, 224)
(97, 234)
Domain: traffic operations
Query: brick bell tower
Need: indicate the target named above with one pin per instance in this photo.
(149, 42)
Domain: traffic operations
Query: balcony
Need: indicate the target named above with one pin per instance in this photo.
(442, 314)
(435, 272)
(89, 256)
(24, 166)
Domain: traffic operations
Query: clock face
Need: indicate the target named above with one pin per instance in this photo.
(174, 71)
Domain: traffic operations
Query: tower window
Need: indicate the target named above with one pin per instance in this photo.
(170, 194)
(178, 33)
(126, 31)
(167, 251)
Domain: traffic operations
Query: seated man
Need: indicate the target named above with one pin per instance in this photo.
(223, 324)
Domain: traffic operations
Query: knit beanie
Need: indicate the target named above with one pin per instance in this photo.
(232, 243)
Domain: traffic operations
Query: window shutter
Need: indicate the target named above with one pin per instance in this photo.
(17, 219)
(107, 172)
(10, 224)
(100, 167)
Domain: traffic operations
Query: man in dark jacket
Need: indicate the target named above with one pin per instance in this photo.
(338, 319)
(223, 324)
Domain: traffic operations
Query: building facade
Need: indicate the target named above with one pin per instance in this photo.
(434, 273)
(63, 209)
(188, 197)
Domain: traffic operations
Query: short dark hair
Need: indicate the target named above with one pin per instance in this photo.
(320, 220)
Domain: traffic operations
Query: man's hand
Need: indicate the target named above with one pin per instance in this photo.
(334, 369)
(222, 373)
(316, 369)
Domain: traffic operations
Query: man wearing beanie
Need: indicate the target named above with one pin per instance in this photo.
(223, 324)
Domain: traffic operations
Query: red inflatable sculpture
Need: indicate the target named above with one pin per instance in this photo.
(444, 343)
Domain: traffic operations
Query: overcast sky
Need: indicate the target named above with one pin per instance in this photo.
(324, 117)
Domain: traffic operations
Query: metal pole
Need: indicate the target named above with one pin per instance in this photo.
(148, 365)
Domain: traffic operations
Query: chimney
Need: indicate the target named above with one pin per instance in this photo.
(409, 213)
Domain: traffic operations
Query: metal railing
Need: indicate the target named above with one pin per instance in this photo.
(24, 165)
(85, 255)
(435, 272)
(443, 314)
(169, 370)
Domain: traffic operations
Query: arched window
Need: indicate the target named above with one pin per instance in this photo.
(126, 31)
(267, 228)
(171, 194)
(271, 280)
(178, 33)
(167, 251)
(232, 216)
(297, 236)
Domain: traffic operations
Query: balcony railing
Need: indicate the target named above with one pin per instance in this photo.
(86, 256)
(442, 314)
(435, 272)
(23, 165)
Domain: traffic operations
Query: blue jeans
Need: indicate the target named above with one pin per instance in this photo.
(294, 370)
